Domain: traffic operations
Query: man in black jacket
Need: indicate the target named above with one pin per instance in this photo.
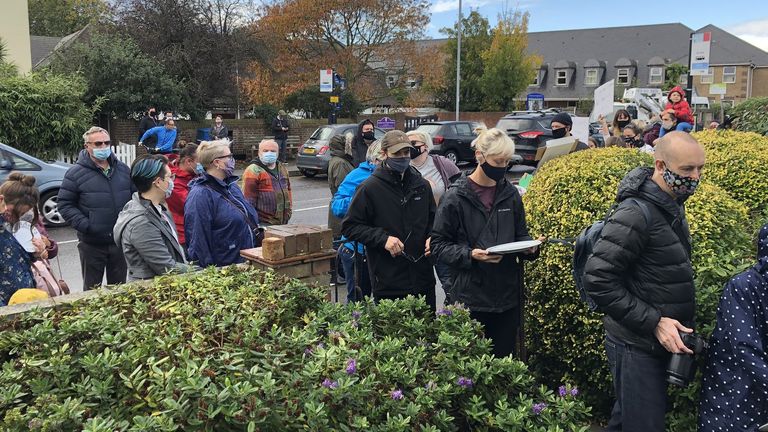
(280, 128)
(640, 276)
(364, 137)
(392, 214)
(91, 196)
(148, 122)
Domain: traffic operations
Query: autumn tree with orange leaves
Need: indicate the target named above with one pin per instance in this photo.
(363, 40)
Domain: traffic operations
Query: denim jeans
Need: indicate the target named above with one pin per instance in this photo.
(348, 258)
(639, 381)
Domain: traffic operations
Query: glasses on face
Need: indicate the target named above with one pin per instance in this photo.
(100, 143)
(417, 143)
(229, 156)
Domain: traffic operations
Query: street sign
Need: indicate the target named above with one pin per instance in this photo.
(718, 89)
(334, 99)
(700, 43)
(326, 80)
(535, 101)
(385, 123)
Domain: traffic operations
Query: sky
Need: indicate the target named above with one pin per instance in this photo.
(746, 19)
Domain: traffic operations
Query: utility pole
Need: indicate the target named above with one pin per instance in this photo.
(458, 64)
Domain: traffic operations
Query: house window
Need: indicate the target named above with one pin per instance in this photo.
(390, 81)
(622, 76)
(412, 83)
(709, 78)
(535, 82)
(727, 103)
(590, 77)
(729, 74)
(656, 75)
(562, 78)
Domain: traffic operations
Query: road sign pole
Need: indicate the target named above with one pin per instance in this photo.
(458, 64)
(689, 84)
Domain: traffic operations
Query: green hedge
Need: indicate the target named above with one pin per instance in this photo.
(232, 350)
(568, 194)
(750, 115)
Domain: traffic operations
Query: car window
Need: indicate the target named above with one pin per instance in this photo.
(378, 133)
(19, 163)
(431, 129)
(514, 125)
(546, 123)
(463, 129)
(322, 133)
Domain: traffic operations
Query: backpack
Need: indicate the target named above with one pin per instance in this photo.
(586, 241)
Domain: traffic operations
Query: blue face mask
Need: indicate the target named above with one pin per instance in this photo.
(199, 170)
(102, 153)
(268, 158)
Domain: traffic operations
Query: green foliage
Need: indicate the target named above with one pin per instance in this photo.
(233, 350)
(267, 112)
(750, 115)
(41, 113)
(736, 161)
(62, 17)
(475, 38)
(673, 73)
(129, 81)
(317, 105)
(566, 339)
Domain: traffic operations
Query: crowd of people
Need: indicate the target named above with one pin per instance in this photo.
(402, 216)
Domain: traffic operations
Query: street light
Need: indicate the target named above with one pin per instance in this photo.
(458, 63)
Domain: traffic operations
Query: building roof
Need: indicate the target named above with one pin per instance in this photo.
(42, 46)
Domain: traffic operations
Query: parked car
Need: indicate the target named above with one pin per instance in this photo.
(314, 154)
(48, 175)
(529, 130)
(452, 139)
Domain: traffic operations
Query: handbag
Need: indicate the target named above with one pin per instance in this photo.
(44, 280)
(62, 284)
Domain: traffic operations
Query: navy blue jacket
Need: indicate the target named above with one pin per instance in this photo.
(216, 230)
(91, 200)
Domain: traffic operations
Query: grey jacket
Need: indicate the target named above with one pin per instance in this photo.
(149, 245)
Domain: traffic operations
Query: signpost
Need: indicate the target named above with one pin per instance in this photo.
(334, 99)
(700, 44)
(385, 123)
(534, 101)
(326, 80)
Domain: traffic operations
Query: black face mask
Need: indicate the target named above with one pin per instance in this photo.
(622, 123)
(559, 133)
(369, 136)
(416, 152)
(492, 172)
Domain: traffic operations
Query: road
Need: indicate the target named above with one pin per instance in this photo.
(311, 197)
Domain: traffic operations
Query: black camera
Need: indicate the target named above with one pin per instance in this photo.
(681, 367)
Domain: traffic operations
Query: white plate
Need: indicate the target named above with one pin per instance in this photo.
(513, 247)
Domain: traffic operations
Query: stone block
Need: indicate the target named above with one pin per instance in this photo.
(289, 240)
(273, 248)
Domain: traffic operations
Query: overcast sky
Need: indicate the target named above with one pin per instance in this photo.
(746, 19)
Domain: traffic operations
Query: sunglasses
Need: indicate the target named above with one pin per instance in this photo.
(229, 156)
(100, 143)
(405, 254)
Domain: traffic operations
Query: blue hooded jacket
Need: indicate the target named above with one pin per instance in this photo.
(165, 138)
(735, 385)
(215, 224)
(343, 196)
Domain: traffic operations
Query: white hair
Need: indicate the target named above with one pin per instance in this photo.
(423, 137)
(494, 142)
(91, 131)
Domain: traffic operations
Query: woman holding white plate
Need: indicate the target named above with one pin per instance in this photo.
(479, 211)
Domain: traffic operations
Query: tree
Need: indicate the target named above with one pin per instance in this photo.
(508, 68)
(317, 105)
(128, 80)
(62, 17)
(475, 39)
(673, 74)
(361, 39)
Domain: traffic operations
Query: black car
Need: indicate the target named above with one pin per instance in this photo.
(452, 139)
(530, 131)
(315, 154)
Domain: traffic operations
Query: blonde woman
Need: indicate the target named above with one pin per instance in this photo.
(478, 211)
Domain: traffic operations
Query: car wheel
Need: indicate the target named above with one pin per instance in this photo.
(308, 173)
(452, 156)
(49, 209)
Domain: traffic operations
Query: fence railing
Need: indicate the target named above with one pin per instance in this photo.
(126, 153)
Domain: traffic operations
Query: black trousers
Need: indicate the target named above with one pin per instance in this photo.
(501, 328)
(95, 259)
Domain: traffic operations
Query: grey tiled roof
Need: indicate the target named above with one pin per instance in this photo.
(41, 47)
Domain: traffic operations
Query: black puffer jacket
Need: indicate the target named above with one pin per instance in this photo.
(462, 223)
(359, 146)
(90, 200)
(641, 270)
(385, 206)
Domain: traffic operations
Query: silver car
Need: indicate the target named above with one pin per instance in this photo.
(48, 175)
(314, 155)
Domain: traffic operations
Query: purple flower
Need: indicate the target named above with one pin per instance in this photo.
(430, 386)
(574, 391)
(320, 345)
(539, 407)
(327, 383)
(445, 312)
(355, 315)
(351, 366)
(465, 382)
(563, 391)
(396, 395)
(308, 351)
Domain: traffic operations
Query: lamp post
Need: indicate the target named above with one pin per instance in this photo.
(458, 63)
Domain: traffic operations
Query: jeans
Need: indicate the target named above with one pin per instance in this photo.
(94, 259)
(639, 381)
(348, 261)
(283, 149)
(682, 126)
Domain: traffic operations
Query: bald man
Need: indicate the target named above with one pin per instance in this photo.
(641, 278)
(267, 187)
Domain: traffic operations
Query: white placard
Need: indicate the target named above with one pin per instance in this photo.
(603, 99)
(556, 148)
(700, 43)
(326, 80)
(718, 89)
(580, 128)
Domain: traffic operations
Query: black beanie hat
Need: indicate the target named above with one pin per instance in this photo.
(563, 118)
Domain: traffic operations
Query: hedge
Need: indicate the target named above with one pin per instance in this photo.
(231, 350)
(749, 116)
(565, 339)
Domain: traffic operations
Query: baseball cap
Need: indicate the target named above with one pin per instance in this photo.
(394, 141)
